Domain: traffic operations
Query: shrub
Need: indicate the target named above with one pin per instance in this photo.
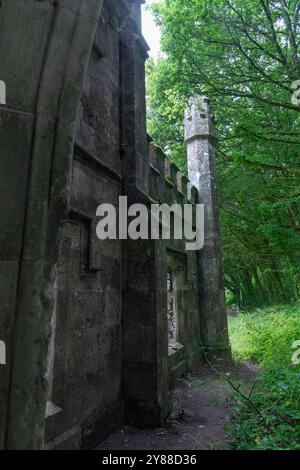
(266, 336)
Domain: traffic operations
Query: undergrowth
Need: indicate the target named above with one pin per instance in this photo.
(272, 421)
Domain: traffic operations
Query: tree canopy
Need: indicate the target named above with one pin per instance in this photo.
(245, 57)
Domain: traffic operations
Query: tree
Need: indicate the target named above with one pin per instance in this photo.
(245, 57)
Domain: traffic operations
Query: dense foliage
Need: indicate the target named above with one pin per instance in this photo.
(273, 421)
(266, 335)
(244, 55)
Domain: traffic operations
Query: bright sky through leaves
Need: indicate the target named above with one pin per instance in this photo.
(150, 30)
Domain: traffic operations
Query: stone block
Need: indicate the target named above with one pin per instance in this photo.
(157, 158)
(15, 137)
(101, 423)
(69, 440)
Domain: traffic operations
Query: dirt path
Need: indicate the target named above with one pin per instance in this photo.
(201, 407)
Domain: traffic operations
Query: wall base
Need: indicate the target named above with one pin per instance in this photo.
(94, 429)
(144, 414)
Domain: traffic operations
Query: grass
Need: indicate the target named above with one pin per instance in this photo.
(266, 336)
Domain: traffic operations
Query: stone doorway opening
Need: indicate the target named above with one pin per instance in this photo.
(172, 309)
(175, 276)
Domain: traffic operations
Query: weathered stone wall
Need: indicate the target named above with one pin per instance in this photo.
(87, 368)
(168, 185)
(44, 49)
(111, 360)
(85, 321)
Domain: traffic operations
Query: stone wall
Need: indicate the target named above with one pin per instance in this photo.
(85, 321)
(111, 360)
(168, 185)
(87, 367)
(44, 50)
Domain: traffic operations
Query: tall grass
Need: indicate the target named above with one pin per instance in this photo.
(266, 336)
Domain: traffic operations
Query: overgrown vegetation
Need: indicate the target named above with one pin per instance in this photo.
(266, 337)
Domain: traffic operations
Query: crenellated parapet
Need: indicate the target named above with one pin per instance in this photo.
(167, 184)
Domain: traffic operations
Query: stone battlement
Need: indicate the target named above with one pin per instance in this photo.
(167, 184)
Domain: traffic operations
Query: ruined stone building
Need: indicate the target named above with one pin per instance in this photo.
(96, 332)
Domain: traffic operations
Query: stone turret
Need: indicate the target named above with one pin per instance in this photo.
(200, 137)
